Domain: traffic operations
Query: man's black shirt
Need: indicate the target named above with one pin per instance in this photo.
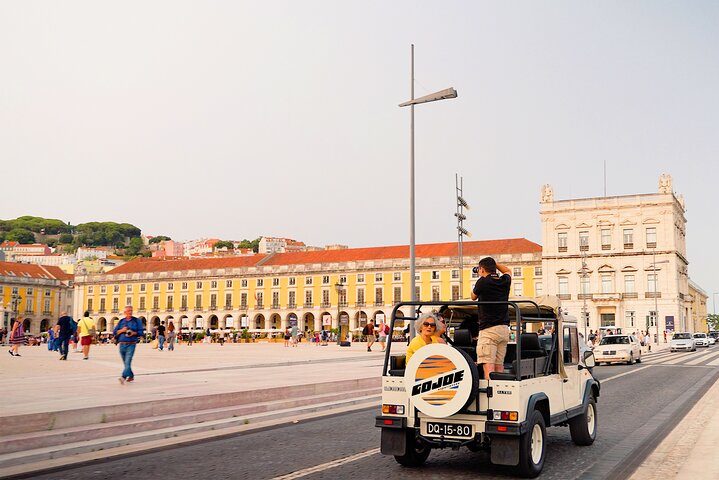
(65, 323)
(493, 288)
(161, 330)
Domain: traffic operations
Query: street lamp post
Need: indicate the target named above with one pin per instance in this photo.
(461, 231)
(585, 315)
(656, 286)
(441, 95)
(338, 287)
(714, 302)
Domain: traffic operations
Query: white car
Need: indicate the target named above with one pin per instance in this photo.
(682, 341)
(712, 340)
(618, 349)
(701, 340)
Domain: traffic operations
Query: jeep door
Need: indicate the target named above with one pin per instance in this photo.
(572, 386)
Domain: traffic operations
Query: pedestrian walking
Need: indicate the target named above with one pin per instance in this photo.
(128, 331)
(382, 333)
(171, 336)
(17, 337)
(368, 332)
(51, 344)
(161, 336)
(293, 334)
(87, 332)
(221, 337)
(64, 331)
(648, 341)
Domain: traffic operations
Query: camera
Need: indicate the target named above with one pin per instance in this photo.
(475, 270)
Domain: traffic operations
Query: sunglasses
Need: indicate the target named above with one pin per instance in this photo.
(428, 324)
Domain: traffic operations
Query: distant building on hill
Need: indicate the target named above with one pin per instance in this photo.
(12, 249)
(280, 245)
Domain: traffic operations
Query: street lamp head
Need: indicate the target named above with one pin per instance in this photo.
(463, 231)
(432, 97)
(461, 201)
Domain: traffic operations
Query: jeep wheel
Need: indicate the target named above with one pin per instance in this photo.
(583, 428)
(532, 447)
(416, 451)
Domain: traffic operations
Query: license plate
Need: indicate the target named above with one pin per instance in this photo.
(449, 429)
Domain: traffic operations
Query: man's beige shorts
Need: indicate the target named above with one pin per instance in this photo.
(492, 344)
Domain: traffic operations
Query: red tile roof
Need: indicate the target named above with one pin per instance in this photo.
(171, 264)
(482, 247)
(33, 271)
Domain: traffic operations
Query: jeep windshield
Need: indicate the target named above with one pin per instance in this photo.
(614, 341)
(682, 336)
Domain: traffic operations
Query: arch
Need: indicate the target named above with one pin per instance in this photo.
(231, 319)
(113, 322)
(214, 322)
(184, 322)
(144, 322)
(102, 325)
(605, 269)
(198, 322)
(382, 317)
(344, 314)
(292, 317)
(44, 325)
(169, 319)
(361, 318)
(308, 320)
(26, 324)
(275, 321)
(322, 320)
(562, 226)
(259, 321)
(629, 268)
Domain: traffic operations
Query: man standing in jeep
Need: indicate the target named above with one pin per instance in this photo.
(493, 319)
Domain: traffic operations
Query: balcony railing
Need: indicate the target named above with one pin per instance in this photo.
(275, 305)
(564, 296)
(155, 310)
(259, 306)
(115, 310)
(343, 304)
(102, 310)
(213, 307)
(651, 244)
(584, 248)
(628, 246)
(183, 309)
(243, 306)
(360, 304)
(308, 304)
(606, 247)
(562, 249)
(46, 312)
(168, 309)
(653, 295)
(325, 305)
(631, 295)
(378, 304)
(292, 305)
(583, 296)
(228, 307)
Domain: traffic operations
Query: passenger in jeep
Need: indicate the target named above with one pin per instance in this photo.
(493, 319)
(426, 325)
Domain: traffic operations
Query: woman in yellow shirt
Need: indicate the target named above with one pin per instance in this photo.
(426, 325)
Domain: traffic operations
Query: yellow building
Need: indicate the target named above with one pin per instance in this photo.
(698, 309)
(35, 294)
(315, 289)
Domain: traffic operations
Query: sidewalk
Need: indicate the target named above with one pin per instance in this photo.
(689, 452)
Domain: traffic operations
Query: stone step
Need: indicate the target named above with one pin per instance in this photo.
(67, 450)
(54, 420)
(35, 440)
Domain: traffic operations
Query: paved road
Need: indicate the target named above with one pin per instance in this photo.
(636, 411)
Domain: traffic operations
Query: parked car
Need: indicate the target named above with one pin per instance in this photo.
(712, 340)
(618, 349)
(701, 340)
(682, 341)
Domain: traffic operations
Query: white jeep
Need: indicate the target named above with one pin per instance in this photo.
(439, 399)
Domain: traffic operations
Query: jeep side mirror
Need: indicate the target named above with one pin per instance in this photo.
(589, 361)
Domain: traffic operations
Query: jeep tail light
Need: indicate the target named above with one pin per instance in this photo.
(506, 415)
(393, 409)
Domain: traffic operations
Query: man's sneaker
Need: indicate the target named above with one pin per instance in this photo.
(131, 379)
(121, 380)
(369, 349)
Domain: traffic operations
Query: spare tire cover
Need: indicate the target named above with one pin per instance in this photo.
(440, 380)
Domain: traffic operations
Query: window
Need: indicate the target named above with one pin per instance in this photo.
(90, 289)
(308, 297)
(89, 304)
(517, 272)
(537, 271)
(116, 289)
(584, 241)
(228, 283)
(259, 299)
(169, 302)
(606, 283)
(128, 301)
(243, 283)
(198, 285)
(343, 279)
(360, 296)
(652, 282)
(292, 300)
(142, 303)
(584, 285)
(325, 279)
(629, 284)
(102, 305)
(275, 299)
(213, 284)
(378, 277)
(538, 289)
(417, 292)
(155, 287)
(651, 237)
(198, 301)
(563, 285)
(115, 304)
(292, 281)
(397, 276)
(518, 289)
(128, 288)
(155, 303)
(260, 282)
(228, 301)
(184, 285)
(571, 346)
(308, 280)
(606, 236)
(455, 292)
(378, 296)
(416, 277)
(29, 291)
(243, 301)
(397, 294)
(103, 289)
(652, 318)
(47, 306)
(628, 236)
(275, 282)
(360, 278)
(170, 286)
(183, 301)
(435, 293)
(342, 297)
(14, 290)
(630, 318)
(325, 297)
(455, 274)
(607, 319)
(562, 241)
(435, 274)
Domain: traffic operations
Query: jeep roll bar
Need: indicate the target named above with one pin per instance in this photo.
(473, 303)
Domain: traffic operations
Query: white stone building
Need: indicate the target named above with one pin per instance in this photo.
(622, 257)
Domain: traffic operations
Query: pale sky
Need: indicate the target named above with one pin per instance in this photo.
(238, 119)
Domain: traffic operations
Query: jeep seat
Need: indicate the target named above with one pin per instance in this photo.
(397, 364)
(463, 341)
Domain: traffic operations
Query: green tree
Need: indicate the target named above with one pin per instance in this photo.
(713, 321)
(20, 235)
(66, 238)
(253, 244)
(135, 247)
(159, 238)
(225, 244)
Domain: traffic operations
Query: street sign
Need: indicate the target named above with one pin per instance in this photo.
(292, 320)
(344, 319)
(670, 323)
